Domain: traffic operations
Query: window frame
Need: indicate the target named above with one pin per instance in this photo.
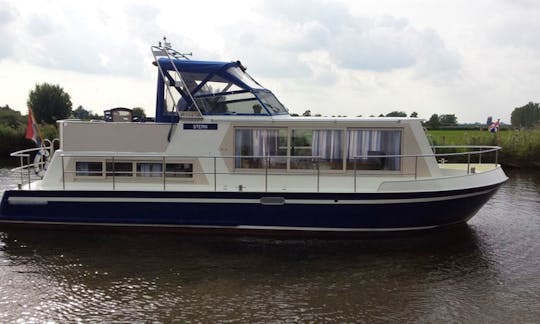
(401, 146)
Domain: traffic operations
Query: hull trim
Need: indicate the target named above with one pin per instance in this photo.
(239, 227)
(21, 200)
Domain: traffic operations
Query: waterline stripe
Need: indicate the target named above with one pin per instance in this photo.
(46, 200)
(233, 227)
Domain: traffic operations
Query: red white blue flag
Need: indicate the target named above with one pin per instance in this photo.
(32, 131)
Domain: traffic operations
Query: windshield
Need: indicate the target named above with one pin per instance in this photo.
(240, 103)
(244, 77)
(270, 101)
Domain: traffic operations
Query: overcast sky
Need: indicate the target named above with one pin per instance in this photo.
(469, 58)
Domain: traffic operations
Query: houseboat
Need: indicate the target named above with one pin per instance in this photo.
(224, 154)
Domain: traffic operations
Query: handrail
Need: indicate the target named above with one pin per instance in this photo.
(26, 153)
(265, 168)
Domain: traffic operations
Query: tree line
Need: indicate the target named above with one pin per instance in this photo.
(49, 103)
(435, 121)
(527, 116)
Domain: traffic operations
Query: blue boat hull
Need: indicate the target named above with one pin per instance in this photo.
(341, 212)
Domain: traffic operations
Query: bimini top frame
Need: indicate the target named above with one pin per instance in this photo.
(191, 89)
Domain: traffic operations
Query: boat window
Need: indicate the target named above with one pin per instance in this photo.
(241, 103)
(149, 169)
(215, 84)
(179, 170)
(368, 147)
(244, 77)
(91, 169)
(310, 147)
(270, 101)
(119, 169)
(257, 147)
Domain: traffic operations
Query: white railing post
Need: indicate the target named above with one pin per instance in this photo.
(63, 174)
(113, 173)
(22, 173)
(318, 175)
(28, 172)
(215, 174)
(266, 173)
(355, 174)
(416, 167)
(164, 165)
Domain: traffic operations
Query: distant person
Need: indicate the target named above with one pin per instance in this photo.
(257, 109)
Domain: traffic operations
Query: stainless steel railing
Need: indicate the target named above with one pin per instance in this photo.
(262, 166)
(39, 163)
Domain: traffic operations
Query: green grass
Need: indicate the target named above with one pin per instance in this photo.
(464, 137)
(520, 148)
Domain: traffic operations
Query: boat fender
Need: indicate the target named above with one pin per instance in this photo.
(41, 162)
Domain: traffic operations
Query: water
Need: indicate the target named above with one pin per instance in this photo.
(486, 271)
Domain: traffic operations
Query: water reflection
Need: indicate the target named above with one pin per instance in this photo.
(487, 271)
(130, 277)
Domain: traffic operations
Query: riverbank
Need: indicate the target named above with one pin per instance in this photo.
(520, 148)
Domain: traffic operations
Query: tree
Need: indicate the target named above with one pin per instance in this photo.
(433, 122)
(526, 116)
(138, 112)
(397, 114)
(11, 118)
(49, 103)
(414, 114)
(81, 113)
(448, 120)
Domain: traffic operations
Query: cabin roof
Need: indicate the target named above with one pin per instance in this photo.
(196, 66)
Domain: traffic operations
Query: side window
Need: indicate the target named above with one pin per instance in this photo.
(309, 147)
(368, 147)
(88, 169)
(119, 169)
(149, 169)
(179, 170)
(254, 148)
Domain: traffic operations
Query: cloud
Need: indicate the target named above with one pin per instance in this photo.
(517, 31)
(285, 32)
(7, 16)
(85, 40)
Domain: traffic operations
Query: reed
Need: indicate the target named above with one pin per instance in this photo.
(520, 148)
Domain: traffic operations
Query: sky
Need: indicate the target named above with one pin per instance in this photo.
(473, 59)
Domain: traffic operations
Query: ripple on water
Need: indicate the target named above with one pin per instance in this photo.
(488, 271)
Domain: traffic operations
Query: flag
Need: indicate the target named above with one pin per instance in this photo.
(32, 131)
(494, 127)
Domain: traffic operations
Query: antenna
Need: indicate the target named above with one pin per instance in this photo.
(167, 46)
(167, 52)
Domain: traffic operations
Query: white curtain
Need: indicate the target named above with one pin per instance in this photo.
(265, 142)
(363, 141)
(327, 144)
(255, 142)
(150, 169)
(379, 142)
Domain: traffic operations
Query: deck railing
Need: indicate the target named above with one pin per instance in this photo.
(33, 161)
(267, 167)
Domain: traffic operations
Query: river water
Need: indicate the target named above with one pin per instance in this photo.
(485, 272)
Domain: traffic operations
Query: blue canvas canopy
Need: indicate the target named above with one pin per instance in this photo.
(195, 66)
(213, 88)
